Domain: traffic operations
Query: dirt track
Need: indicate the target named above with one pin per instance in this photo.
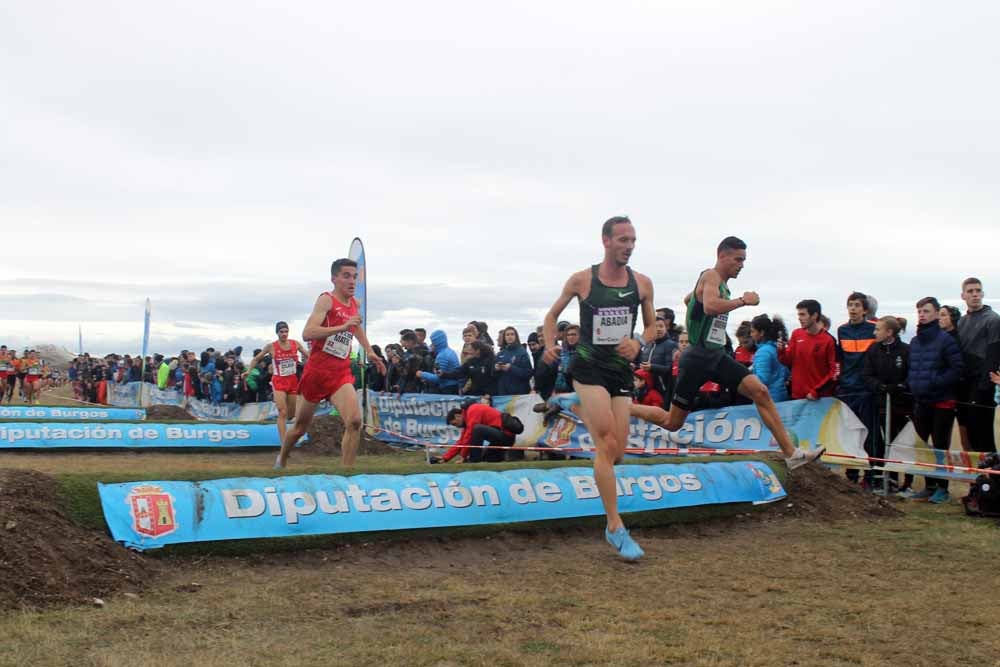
(45, 558)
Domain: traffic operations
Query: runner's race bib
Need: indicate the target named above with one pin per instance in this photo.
(34, 370)
(339, 345)
(717, 331)
(612, 325)
(286, 367)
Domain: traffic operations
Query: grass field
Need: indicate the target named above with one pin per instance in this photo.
(729, 592)
(738, 590)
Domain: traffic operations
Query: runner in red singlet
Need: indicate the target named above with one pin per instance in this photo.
(285, 355)
(330, 330)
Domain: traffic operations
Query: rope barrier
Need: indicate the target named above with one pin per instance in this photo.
(874, 395)
(695, 451)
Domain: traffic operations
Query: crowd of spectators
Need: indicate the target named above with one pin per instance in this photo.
(950, 370)
(211, 375)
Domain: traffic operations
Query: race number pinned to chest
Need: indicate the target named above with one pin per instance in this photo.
(286, 367)
(339, 345)
(717, 330)
(612, 325)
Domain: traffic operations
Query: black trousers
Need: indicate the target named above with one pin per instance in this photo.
(934, 425)
(483, 434)
(977, 417)
(899, 416)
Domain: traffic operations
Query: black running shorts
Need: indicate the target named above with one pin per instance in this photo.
(619, 383)
(699, 365)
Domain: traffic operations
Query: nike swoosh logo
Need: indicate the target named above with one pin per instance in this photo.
(622, 296)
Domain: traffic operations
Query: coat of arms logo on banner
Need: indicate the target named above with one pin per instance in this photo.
(152, 511)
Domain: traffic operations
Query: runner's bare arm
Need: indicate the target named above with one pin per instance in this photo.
(266, 350)
(715, 304)
(314, 329)
(648, 314)
(303, 350)
(569, 291)
(630, 347)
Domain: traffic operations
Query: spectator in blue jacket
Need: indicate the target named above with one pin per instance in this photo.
(935, 369)
(766, 332)
(446, 361)
(513, 365)
(571, 337)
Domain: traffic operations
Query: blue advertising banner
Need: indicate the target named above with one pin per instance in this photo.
(147, 515)
(46, 412)
(231, 411)
(827, 421)
(128, 394)
(56, 435)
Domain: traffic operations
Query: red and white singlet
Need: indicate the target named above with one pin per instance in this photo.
(335, 351)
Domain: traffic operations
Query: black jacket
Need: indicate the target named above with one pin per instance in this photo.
(977, 333)
(885, 370)
(660, 355)
(480, 372)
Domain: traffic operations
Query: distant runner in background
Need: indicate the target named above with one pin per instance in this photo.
(285, 381)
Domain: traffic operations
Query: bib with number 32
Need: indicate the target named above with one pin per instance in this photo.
(339, 345)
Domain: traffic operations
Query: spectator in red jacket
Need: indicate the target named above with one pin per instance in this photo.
(811, 354)
(481, 424)
(645, 389)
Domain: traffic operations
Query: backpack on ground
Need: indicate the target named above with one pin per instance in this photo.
(511, 423)
(984, 494)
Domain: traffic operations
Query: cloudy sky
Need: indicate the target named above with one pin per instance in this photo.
(216, 157)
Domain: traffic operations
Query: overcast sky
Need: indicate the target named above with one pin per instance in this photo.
(216, 157)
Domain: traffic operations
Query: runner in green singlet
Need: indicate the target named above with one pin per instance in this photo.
(610, 296)
(708, 308)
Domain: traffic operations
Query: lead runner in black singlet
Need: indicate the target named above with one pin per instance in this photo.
(610, 296)
(708, 308)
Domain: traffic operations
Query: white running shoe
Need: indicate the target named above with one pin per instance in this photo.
(801, 457)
